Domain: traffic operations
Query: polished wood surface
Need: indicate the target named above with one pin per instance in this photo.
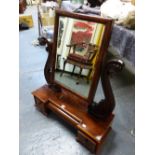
(103, 108)
(92, 121)
(75, 114)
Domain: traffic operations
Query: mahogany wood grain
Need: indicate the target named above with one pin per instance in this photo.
(88, 119)
(89, 127)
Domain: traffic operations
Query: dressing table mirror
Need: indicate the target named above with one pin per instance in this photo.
(72, 71)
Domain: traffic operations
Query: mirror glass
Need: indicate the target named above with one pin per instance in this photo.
(78, 44)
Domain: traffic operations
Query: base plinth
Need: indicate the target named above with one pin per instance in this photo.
(91, 132)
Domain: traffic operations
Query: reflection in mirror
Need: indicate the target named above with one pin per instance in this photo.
(78, 45)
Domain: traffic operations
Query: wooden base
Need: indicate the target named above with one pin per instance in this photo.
(91, 132)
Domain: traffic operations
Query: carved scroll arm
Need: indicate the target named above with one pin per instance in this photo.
(105, 107)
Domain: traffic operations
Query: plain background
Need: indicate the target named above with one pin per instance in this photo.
(144, 74)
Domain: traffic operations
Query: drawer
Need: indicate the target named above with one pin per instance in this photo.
(38, 102)
(41, 106)
(86, 141)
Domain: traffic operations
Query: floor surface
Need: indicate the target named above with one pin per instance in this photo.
(40, 135)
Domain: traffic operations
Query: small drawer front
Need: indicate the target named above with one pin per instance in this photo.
(37, 101)
(41, 106)
(86, 141)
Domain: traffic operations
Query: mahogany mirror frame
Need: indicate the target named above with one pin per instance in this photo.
(49, 70)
